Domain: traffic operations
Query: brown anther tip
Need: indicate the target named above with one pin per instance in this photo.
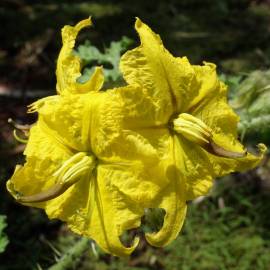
(217, 150)
(49, 194)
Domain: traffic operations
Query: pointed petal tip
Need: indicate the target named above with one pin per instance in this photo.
(129, 250)
(83, 23)
(138, 22)
(262, 148)
(99, 68)
(211, 65)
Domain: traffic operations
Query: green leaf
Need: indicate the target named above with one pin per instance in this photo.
(109, 59)
(251, 100)
(3, 237)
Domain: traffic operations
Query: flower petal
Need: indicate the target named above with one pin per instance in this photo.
(199, 168)
(108, 214)
(69, 65)
(172, 200)
(165, 79)
(213, 109)
(138, 108)
(95, 83)
(140, 157)
(69, 118)
(207, 83)
(119, 123)
(44, 157)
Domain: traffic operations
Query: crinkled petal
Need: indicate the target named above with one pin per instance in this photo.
(138, 109)
(95, 83)
(173, 200)
(213, 109)
(69, 65)
(196, 169)
(143, 154)
(92, 206)
(108, 214)
(207, 83)
(211, 106)
(139, 183)
(70, 119)
(165, 79)
(199, 168)
(120, 120)
(44, 157)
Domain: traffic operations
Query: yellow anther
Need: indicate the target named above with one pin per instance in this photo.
(73, 173)
(195, 120)
(195, 130)
(66, 176)
(68, 163)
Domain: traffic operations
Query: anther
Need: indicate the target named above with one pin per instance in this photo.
(195, 130)
(22, 128)
(19, 126)
(66, 176)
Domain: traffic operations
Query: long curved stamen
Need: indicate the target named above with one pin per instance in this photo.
(66, 176)
(22, 128)
(35, 106)
(197, 131)
(18, 138)
(19, 126)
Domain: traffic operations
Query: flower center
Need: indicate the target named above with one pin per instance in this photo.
(66, 176)
(196, 131)
(193, 129)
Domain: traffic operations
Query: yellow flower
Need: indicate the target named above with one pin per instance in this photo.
(97, 160)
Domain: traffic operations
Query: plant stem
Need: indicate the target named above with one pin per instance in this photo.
(72, 257)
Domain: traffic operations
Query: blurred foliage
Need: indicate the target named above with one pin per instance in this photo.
(226, 231)
(91, 56)
(251, 100)
(234, 34)
(229, 229)
(3, 237)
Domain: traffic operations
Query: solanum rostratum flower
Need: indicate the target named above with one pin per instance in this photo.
(98, 159)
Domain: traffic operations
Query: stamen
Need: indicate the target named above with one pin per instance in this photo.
(51, 193)
(68, 162)
(19, 139)
(192, 135)
(35, 106)
(22, 128)
(66, 176)
(195, 130)
(221, 152)
(195, 120)
(19, 126)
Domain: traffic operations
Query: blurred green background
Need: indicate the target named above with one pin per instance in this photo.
(230, 228)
